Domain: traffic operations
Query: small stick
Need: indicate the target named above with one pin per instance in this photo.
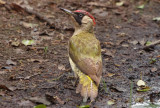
(16, 7)
(151, 45)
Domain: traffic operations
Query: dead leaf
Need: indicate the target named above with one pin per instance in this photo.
(36, 60)
(28, 25)
(103, 14)
(154, 69)
(142, 41)
(109, 53)
(117, 65)
(19, 51)
(16, 7)
(109, 74)
(118, 89)
(46, 38)
(6, 87)
(25, 4)
(97, 4)
(135, 42)
(2, 72)
(2, 93)
(103, 50)
(121, 34)
(141, 83)
(26, 103)
(54, 99)
(140, 99)
(95, 11)
(111, 102)
(59, 100)
(10, 62)
(61, 67)
(2, 2)
(55, 42)
(61, 36)
(28, 42)
(108, 44)
(12, 88)
(120, 3)
(125, 45)
(141, 6)
(42, 100)
(15, 43)
(142, 87)
(117, 27)
(21, 77)
(156, 19)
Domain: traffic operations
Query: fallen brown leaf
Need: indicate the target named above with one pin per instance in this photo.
(6, 87)
(42, 100)
(10, 62)
(36, 60)
(154, 69)
(54, 99)
(61, 67)
(109, 75)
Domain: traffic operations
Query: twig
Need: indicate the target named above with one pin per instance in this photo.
(151, 45)
(16, 7)
(39, 16)
(42, 18)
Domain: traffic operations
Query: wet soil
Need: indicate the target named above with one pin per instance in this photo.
(43, 68)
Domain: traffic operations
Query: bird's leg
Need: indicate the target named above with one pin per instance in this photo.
(75, 70)
(76, 77)
(76, 80)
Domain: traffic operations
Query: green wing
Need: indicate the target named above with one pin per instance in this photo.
(85, 52)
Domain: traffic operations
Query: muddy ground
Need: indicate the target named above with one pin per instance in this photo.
(42, 70)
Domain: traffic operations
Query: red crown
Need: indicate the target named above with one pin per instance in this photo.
(87, 13)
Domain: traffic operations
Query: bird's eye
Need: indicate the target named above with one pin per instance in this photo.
(80, 15)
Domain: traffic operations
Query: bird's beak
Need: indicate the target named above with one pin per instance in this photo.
(67, 11)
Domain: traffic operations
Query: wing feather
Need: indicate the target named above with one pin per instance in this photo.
(85, 52)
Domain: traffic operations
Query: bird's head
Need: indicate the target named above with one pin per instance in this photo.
(82, 20)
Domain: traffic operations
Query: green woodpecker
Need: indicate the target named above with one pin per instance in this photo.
(85, 54)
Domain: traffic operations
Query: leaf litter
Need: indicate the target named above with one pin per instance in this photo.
(131, 26)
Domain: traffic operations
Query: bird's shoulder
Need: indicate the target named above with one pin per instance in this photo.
(84, 37)
(85, 43)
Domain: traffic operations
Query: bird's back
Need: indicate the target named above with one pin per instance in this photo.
(85, 44)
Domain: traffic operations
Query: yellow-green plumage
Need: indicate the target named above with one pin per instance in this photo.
(85, 54)
(86, 62)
